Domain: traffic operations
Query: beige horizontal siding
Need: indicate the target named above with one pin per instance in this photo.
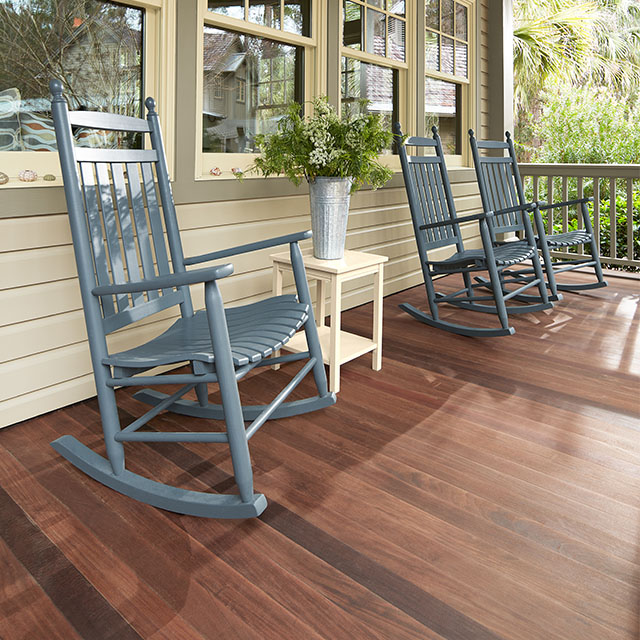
(44, 358)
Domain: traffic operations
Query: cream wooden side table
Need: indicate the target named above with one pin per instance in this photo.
(338, 346)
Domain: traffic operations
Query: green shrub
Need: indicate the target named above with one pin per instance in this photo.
(586, 126)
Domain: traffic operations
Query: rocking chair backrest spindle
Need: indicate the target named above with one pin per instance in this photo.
(120, 207)
(429, 193)
(498, 187)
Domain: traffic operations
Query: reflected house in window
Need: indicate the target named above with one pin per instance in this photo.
(248, 83)
(113, 80)
(223, 116)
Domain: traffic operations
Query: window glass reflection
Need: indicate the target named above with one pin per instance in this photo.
(432, 17)
(297, 17)
(352, 25)
(376, 27)
(461, 60)
(442, 110)
(396, 39)
(461, 21)
(230, 8)
(447, 55)
(377, 84)
(432, 51)
(447, 17)
(256, 78)
(396, 6)
(265, 13)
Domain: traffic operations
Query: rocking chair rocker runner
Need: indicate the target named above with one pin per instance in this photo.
(120, 206)
(436, 225)
(501, 186)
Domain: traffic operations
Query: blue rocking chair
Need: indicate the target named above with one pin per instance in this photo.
(501, 186)
(120, 209)
(436, 225)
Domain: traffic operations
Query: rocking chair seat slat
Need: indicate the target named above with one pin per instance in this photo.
(505, 256)
(255, 332)
(568, 239)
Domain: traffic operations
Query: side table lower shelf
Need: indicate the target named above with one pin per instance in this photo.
(351, 345)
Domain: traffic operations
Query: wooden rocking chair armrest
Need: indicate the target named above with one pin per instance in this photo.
(444, 223)
(543, 206)
(166, 282)
(247, 248)
(528, 206)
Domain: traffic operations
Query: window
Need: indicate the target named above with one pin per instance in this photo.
(241, 91)
(97, 49)
(374, 54)
(260, 57)
(447, 48)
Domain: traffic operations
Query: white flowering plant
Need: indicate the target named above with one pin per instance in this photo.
(324, 144)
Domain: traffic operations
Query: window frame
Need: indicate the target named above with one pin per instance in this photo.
(406, 79)
(314, 50)
(468, 92)
(158, 80)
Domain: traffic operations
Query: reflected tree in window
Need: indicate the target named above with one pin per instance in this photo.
(94, 47)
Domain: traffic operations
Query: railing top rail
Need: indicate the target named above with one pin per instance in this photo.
(585, 170)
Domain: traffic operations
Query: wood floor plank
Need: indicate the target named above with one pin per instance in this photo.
(25, 609)
(89, 613)
(138, 603)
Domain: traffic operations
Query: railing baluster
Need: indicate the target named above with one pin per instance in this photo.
(613, 214)
(630, 219)
(536, 189)
(565, 210)
(550, 200)
(580, 189)
(596, 212)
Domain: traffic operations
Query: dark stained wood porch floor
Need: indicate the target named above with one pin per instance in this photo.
(471, 490)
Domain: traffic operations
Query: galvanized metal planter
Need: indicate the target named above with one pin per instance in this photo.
(329, 212)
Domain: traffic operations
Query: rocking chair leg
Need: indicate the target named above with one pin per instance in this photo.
(202, 393)
(229, 391)
(110, 420)
(467, 283)
(542, 285)
(497, 285)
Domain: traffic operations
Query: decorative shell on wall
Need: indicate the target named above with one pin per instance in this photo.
(28, 176)
(49, 177)
(4, 178)
(216, 171)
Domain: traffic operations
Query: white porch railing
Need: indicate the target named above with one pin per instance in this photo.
(618, 236)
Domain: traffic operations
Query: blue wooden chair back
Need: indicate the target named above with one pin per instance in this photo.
(499, 182)
(428, 192)
(122, 215)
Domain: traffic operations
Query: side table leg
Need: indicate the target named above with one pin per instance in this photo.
(334, 355)
(378, 280)
(321, 303)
